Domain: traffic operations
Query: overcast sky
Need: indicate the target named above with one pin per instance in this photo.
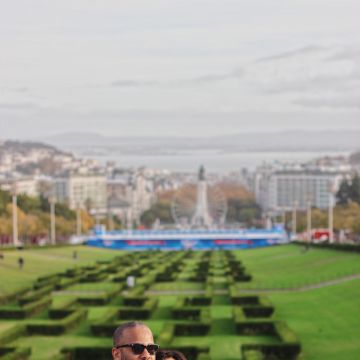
(178, 67)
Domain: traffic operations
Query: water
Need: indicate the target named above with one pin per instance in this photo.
(213, 160)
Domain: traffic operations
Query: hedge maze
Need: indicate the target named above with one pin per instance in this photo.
(189, 300)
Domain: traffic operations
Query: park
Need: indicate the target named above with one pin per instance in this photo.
(279, 302)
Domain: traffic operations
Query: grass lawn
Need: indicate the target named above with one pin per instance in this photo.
(41, 262)
(327, 320)
(288, 266)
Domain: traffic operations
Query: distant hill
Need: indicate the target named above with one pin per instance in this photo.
(25, 146)
(327, 140)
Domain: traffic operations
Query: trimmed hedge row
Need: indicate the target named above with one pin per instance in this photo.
(13, 353)
(138, 312)
(179, 329)
(254, 306)
(106, 326)
(85, 353)
(35, 295)
(99, 299)
(57, 327)
(44, 281)
(288, 349)
(25, 311)
(12, 334)
(13, 296)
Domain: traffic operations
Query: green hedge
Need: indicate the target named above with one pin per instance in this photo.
(253, 355)
(44, 281)
(138, 313)
(106, 326)
(245, 300)
(255, 327)
(35, 295)
(66, 282)
(93, 276)
(166, 335)
(135, 300)
(99, 299)
(186, 313)
(194, 352)
(273, 351)
(288, 349)
(194, 329)
(11, 353)
(258, 311)
(13, 296)
(57, 327)
(12, 334)
(25, 311)
(86, 353)
(197, 301)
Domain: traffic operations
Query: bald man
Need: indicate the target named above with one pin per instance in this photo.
(133, 341)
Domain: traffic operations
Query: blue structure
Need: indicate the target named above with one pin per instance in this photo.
(195, 239)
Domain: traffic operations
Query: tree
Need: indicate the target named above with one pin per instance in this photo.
(160, 210)
(244, 211)
(28, 203)
(354, 189)
(343, 194)
(5, 198)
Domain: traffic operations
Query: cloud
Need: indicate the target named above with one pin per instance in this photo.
(17, 106)
(291, 72)
(330, 102)
(213, 78)
(348, 53)
(199, 80)
(134, 83)
(319, 83)
(307, 50)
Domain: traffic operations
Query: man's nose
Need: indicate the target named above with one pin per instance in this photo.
(145, 355)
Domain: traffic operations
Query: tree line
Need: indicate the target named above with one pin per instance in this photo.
(34, 217)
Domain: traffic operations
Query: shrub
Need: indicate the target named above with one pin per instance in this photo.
(139, 313)
(12, 334)
(57, 327)
(166, 335)
(245, 300)
(255, 327)
(194, 329)
(35, 295)
(85, 353)
(10, 353)
(25, 311)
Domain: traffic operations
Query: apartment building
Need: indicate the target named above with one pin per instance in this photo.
(83, 190)
(279, 189)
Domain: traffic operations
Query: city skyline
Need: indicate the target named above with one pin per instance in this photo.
(179, 68)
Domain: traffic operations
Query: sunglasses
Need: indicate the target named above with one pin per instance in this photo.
(138, 349)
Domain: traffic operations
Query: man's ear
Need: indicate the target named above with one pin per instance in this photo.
(116, 353)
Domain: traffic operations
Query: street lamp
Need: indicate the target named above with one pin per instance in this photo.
(52, 220)
(78, 220)
(294, 220)
(14, 217)
(309, 220)
(331, 212)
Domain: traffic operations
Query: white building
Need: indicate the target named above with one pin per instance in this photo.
(83, 190)
(279, 189)
(25, 185)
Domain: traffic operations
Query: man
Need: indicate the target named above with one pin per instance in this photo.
(133, 341)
